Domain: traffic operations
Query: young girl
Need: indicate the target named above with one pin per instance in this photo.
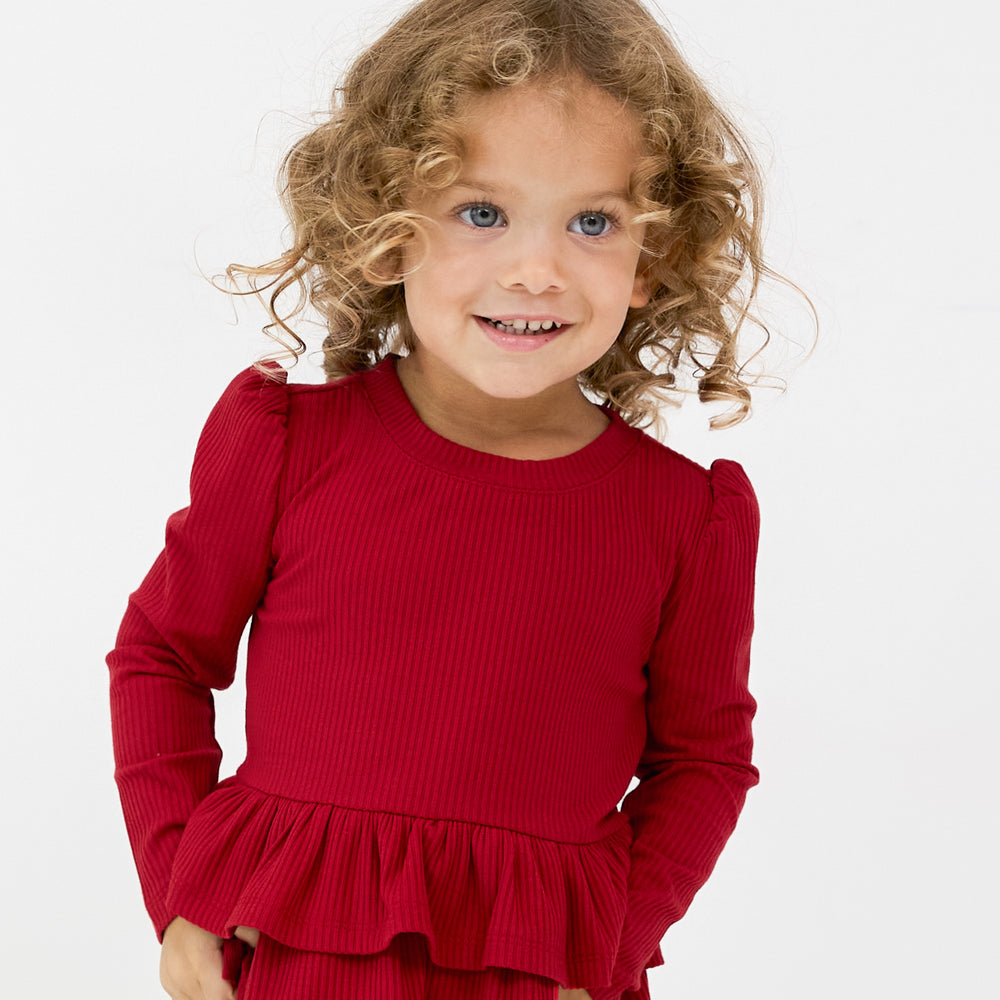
(481, 602)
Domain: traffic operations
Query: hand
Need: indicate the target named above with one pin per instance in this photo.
(573, 994)
(191, 963)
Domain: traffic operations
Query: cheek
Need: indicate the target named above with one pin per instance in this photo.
(611, 282)
(440, 271)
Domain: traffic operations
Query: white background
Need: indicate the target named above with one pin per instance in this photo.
(140, 141)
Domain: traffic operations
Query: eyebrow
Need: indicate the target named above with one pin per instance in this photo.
(500, 189)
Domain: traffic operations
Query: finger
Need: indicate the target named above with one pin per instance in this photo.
(212, 984)
(196, 979)
(249, 935)
(173, 986)
(215, 989)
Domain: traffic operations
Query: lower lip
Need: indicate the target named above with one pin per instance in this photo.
(518, 342)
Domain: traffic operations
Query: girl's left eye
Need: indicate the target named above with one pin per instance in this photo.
(592, 224)
(481, 216)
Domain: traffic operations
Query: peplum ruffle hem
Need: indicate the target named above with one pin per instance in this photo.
(325, 877)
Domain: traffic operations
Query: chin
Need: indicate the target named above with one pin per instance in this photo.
(512, 390)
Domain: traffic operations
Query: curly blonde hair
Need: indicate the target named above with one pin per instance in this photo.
(394, 130)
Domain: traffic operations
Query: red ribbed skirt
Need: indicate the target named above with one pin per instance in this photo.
(402, 971)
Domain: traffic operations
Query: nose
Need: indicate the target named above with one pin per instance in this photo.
(534, 265)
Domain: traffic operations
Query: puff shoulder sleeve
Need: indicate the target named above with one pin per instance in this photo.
(180, 633)
(694, 770)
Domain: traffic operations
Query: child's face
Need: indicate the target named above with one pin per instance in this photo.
(535, 229)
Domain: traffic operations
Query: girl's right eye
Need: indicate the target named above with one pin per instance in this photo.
(481, 216)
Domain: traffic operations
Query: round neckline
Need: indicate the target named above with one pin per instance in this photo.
(402, 423)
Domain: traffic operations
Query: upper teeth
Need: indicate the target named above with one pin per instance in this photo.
(519, 325)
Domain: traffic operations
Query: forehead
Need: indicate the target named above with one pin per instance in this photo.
(574, 119)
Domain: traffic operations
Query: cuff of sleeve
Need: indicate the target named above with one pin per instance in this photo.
(161, 924)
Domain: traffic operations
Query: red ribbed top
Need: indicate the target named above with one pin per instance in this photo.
(457, 663)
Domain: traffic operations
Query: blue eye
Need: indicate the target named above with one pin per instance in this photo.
(591, 224)
(481, 216)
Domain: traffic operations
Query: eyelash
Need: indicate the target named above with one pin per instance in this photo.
(614, 220)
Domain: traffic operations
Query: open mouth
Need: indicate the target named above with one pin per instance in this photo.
(522, 327)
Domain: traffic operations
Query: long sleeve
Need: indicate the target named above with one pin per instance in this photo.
(695, 767)
(182, 627)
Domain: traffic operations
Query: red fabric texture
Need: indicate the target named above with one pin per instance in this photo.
(401, 971)
(456, 664)
(236, 959)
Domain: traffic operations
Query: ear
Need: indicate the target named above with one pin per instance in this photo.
(640, 285)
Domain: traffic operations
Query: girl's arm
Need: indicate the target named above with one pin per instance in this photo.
(695, 768)
(180, 633)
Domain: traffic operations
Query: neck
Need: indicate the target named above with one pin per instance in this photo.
(553, 423)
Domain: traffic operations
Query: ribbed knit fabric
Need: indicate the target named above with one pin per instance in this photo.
(457, 663)
(402, 971)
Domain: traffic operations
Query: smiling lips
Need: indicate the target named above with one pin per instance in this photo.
(521, 326)
(520, 334)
